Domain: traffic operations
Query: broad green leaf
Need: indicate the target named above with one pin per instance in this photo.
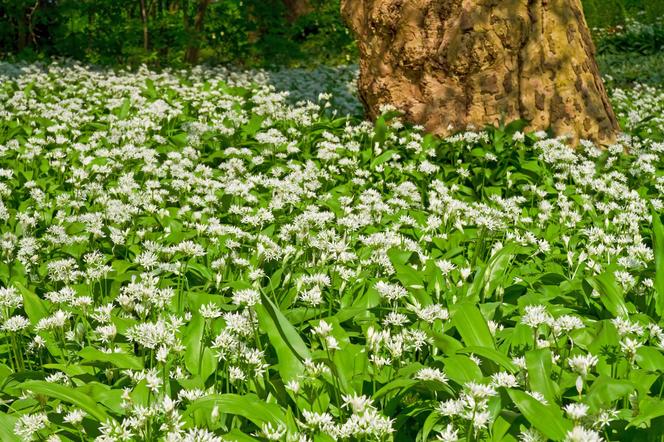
(650, 358)
(249, 406)
(609, 294)
(236, 435)
(462, 369)
(604, 391)
(649, 408)
(492, 355)
(382, 158)
(253, 126)
(658, 243)
(380, 131)
(548, 419)
(198, 358)
(412, 280)
(491, 276)
(400, 383)
(539, 363)
(68, 395)
(286, 341)
(32, 304)
(123, 111)
(120, 360)
(472, 326)
(7, 423)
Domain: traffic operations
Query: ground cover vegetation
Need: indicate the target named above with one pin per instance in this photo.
(233, 254)
(194, 255)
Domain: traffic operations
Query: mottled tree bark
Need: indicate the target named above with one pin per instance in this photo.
(451, 64)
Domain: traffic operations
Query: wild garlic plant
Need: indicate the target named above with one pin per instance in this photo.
(195, 256)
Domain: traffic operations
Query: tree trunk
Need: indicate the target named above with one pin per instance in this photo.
(144, 20)
(297, 8)
(191, 55)
(454, 64)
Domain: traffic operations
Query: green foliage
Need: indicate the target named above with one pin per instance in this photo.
(187, 255)
(254, 32)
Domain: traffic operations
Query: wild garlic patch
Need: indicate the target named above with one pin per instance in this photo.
(196, 256)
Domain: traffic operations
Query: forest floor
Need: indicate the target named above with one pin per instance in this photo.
(202, 256)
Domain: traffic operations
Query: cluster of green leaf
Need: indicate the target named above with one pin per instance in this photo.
(630, 68)
(110, 32)
(601, 14)
(186, 255)
(634, 37)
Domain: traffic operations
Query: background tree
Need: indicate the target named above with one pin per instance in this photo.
(452, 64)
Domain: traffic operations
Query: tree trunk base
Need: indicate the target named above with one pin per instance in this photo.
(451, 65)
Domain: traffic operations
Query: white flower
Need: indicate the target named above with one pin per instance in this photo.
(391, 292)
(431, 374)
(28, 424)
(535, 316)
(576, 411)
(531, 435)
(504, 379)
(15, 323)
(480, 391)
(580, 434)
(449, 434)
(270, 432)
(248, 297)
(75, 417)
(210, 311)
(357, 403)
(582, 364)
(322, 329)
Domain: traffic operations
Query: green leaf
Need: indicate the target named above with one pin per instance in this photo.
(120, 360)
(124, 109)
(491, 276)
(403, 384)
(248, 406)
(236, 435)
(203, 364)
(649, 408)
(492, 355)
(658, 243)
(253, 126)
(538, 363)
(287, 342)
(650, 358)
(605, 390)
(150, 90)
(382, 158)
(32, 304)
(69, 395)
(462, 369)
(472, 326)
(7, 423)
(610, 294)
(548, 419)
(380, 131)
